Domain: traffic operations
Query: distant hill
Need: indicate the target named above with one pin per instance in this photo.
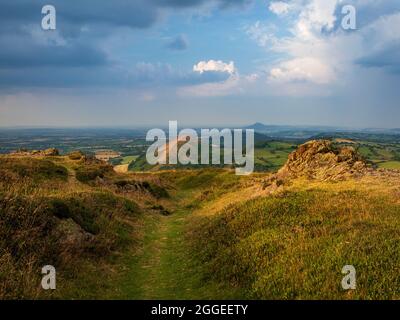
(260, 127)
(289, 132)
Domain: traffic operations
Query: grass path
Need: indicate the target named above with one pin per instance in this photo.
(164, 267)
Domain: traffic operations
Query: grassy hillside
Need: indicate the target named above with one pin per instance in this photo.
(70, 212)
(294, 246)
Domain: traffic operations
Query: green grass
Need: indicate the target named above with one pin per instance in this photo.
(140, 164)
(270, 159)
(271, 156)
(379, 152)
(294, 247)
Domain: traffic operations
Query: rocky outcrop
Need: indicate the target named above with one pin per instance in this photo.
(322, 160)
(51, 152)
(319, 160)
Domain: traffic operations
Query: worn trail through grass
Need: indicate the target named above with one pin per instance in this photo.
(164, 268)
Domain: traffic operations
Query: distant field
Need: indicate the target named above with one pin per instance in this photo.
(390, 165)
(384, 155)
(270, 156)
(128, 159)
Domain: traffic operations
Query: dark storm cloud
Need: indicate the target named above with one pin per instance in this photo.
(141, 75)
(17, 55)
(134, 13)
(74, 55)
(387, 58)
(137, 13)
(191, 3)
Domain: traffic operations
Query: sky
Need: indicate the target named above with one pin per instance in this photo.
(200, 62)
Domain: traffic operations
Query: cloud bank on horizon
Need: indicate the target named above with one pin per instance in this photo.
(269, 60)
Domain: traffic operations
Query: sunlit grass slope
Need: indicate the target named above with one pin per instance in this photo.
(293, 244)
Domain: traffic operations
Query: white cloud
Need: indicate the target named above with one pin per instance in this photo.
(319, 14)
(214, 65)
(253, 77)
(302, 69)
(279, 7)
(230, 86)
(262, 33)
(314, 52)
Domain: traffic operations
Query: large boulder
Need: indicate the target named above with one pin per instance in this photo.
(322, 160)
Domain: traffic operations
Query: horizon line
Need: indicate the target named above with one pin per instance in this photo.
(137, 126)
